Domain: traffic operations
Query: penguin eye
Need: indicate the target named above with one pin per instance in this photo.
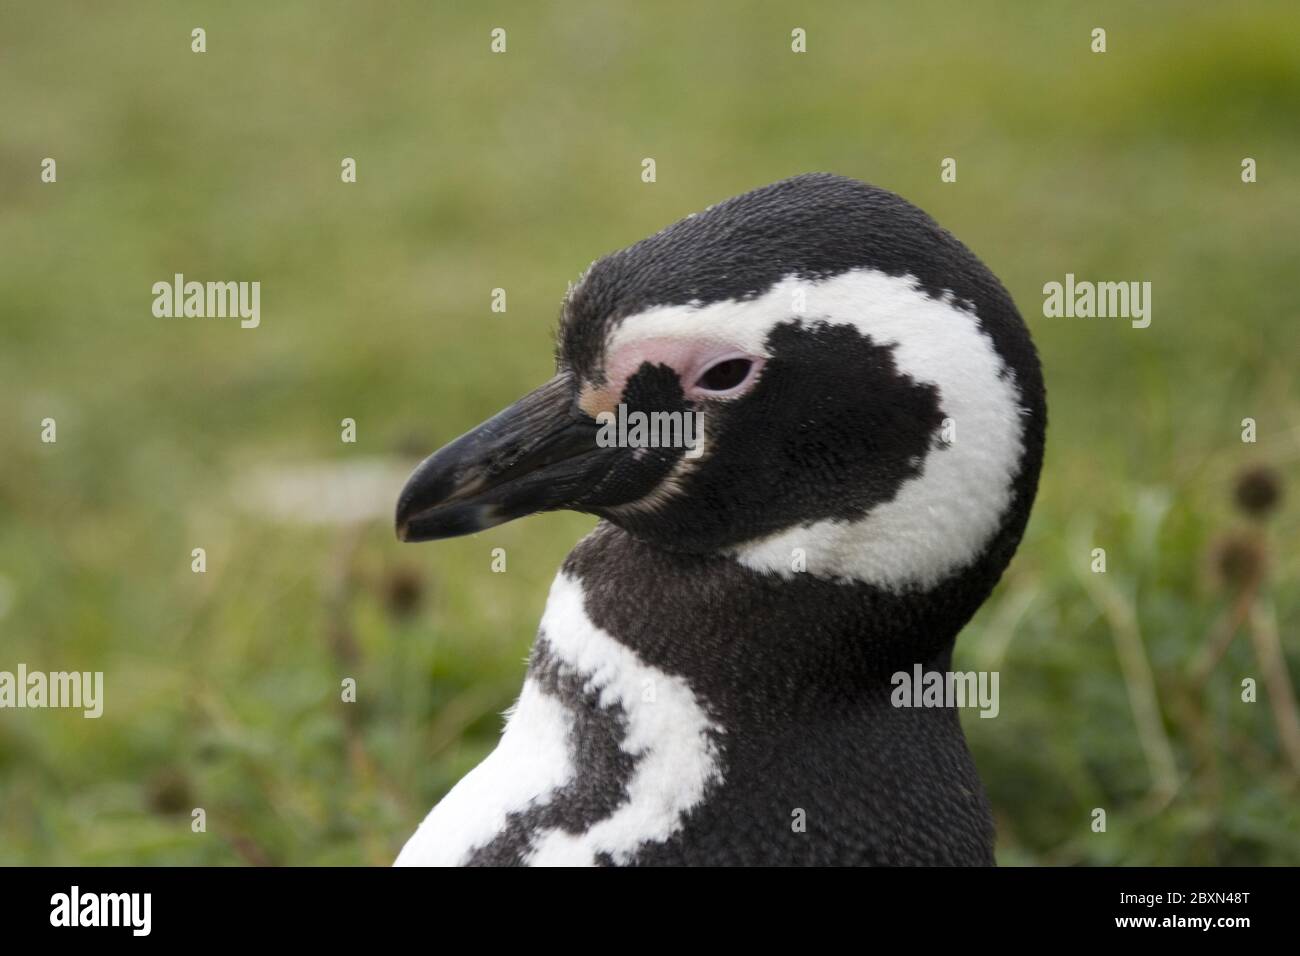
(725, 376)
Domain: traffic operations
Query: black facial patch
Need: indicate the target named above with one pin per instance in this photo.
(831, 429)
(637, 471)
(814, 227)
(602, 768)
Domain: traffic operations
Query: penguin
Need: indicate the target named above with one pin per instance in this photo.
(712, 679)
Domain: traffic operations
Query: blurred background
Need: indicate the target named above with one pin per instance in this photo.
(476, 171)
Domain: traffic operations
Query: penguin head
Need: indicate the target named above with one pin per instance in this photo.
(813, 376)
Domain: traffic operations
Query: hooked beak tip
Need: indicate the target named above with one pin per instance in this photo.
(537, 455)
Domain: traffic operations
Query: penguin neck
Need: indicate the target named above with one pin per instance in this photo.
(753, 644)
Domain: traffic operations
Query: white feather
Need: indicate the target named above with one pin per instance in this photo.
(668, 731)
(528, 765)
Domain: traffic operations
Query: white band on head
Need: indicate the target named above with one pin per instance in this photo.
(939, 521)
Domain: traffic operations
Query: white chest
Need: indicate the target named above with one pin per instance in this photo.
(667, 755)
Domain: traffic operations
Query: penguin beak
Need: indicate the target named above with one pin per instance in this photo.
(540, 454)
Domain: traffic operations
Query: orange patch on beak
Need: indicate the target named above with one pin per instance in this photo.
(594, 400)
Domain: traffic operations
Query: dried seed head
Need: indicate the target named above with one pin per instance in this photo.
(1236, 559)
(403, 591)
(1258, 491)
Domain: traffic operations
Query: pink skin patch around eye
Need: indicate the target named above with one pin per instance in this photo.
(689, 358)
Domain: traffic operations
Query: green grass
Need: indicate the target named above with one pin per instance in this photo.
(478, 171)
